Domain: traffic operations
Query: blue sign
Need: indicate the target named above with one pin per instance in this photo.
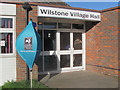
(28, 44)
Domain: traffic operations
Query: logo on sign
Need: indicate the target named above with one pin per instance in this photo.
(28, 43)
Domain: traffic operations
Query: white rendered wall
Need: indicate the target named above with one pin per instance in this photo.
(7, 9)
(0, 71)
(8, 62)
(8, 69)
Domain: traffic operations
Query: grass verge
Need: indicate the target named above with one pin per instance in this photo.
(24, 84)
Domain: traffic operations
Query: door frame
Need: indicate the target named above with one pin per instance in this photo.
(71, 52)
(57, 52)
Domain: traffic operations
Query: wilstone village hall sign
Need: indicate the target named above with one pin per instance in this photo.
(68, 13)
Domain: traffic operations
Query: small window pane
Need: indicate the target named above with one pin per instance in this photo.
(77, 60)
(40, 33)
(49, 25)
(49, 40)
(6, 23)
(39, 63)
(6, 43)
(77, 41)
(40, 26)
(64, 61)
(64, 25)
(64, 40)
(77, 26)
(50, 63)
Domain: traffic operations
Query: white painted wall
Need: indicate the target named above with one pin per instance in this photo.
(7, 9)
(8, 69)
(0, 71)
(8, 62)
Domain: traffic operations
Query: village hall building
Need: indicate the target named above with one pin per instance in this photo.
(73, 39)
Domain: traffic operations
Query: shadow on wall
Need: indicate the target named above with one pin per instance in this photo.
(90, 24)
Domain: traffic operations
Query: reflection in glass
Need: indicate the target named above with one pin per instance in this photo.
(50, 25)
(77, 41)
(40, 33)
(39, 63)
(49, 40)
(40, 26)
(77, 26)
(64, 25)
(6, 43)
(64, 61)
(50, 63)
(77, 60)
(47, 25)
(64, 40)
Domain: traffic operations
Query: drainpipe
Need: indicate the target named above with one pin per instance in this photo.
(27, 8)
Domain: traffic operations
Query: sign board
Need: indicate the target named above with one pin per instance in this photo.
(68, 13)
(2, 43)
(28, 44)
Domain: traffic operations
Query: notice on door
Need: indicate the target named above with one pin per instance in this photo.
(28, 43)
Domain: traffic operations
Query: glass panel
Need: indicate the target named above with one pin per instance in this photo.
(6, 23)
(77, 26)
(40, 25)
(6, 43)
(77, 41)
(64, 40)
(64, 61)
(77, 60)
(49, 40)
(64, 25)
(50, 25)
(39, 63)
(50, 63)
(40, 32)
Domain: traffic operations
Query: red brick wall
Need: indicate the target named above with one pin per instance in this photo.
(102, 44)
(20, 25)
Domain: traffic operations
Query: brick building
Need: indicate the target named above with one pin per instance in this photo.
(73, 39)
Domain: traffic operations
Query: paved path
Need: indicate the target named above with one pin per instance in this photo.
(81, 79)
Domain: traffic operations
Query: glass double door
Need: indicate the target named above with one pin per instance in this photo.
(70, 50)
(61, 51)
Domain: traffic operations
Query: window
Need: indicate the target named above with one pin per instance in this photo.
(47, 32)
(50, 63)
(77, 60)
(6, 40)
(47, 25)
(77, 41)
(49, 40)
(77, 26)
(65, 61)
(6, 23)
(64, 25)
(6, 35)
(50, 25)
(64, 40)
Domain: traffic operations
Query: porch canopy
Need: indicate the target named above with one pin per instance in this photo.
(69, 13)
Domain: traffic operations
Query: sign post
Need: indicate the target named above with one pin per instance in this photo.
(28, 45)
(31, 78)
(27, 8)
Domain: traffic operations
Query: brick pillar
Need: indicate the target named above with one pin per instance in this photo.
(20, 25)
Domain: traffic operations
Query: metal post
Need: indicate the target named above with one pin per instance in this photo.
(27, 8)
(27, 68)
(31, 78)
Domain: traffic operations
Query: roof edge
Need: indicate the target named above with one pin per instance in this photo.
(109, 9)
(56, 6)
